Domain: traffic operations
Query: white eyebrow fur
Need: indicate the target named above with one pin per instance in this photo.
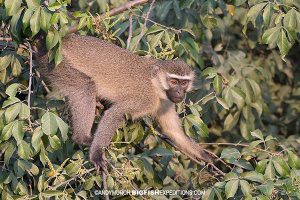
(186, 77)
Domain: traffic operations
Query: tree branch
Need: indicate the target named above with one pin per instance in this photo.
(29, 84)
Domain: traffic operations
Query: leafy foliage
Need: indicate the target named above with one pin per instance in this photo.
(245, 104)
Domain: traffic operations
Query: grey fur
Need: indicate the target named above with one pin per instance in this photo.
(93, 68)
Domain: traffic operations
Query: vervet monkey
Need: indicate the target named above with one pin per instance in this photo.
(94, 69)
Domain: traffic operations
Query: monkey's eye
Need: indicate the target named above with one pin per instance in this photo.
(173, 82)
(184, 83)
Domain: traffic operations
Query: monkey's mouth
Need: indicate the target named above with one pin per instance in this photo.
(177, 99)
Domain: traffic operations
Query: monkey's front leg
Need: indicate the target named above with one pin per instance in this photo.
(110, 122)
(170, 124)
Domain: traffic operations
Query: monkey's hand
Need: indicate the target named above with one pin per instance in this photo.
(198, 153)
(97, 157)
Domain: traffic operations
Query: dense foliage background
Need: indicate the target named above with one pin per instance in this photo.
(245, 107)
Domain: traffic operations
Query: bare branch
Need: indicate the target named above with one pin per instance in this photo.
(43, 83)
(130, 32)
(104, 177)
(29, 84)
(125, 6)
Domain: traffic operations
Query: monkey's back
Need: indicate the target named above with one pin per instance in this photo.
(114, 70)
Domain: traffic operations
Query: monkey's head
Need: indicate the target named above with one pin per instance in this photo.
(175, 78)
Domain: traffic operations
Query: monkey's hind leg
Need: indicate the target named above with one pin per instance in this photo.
(82, 103)
(110, 122)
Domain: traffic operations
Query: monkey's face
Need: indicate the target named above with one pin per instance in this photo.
(177, 89)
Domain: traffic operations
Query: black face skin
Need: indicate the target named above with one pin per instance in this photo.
(177, 90)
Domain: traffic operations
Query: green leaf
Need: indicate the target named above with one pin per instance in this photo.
(270, 171)
(160, 151)
(9, 152)
(283, 43)
(239, 96)
(210, 22)
(253, 176)
(54, 142)
(255, 11)
(267, 189)
(12, 89)
(12, 6)
(5, 61)
(7, 131)
(24, 150)
(270, 36)
(231, 188)
(245, 186)
(155, 40)
(26, 18)
(261, 166)
(12, 112)
(58, 55)
(209, 71)
(36, 140)
(293, 160)
(52, 39)
(217, 84)
(292, 19)
(35, 22)
(24, 112)
(33, 4)
(72, 169)
(198, 124)
(16, 67)
(154, 29)
(18, 132)
(231, 121)
(281, 166)
(49, 123)
(257, 134)
(54, 6)
(230, 153)
(10, 101)
(222, 103)
(63, 127)
(45, 19)
(267, 15)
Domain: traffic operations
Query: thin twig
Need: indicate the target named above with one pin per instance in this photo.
(115, 11)
(104, 177)
(177, 31)
(218, 158)
(29, 84)
(72, 179)
(130, 32)
(43, 83)
(6, 39)
(238, 144)
(144, 25)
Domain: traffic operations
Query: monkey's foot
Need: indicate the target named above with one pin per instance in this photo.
(99, 160)
(99, 105)
(82, 139)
